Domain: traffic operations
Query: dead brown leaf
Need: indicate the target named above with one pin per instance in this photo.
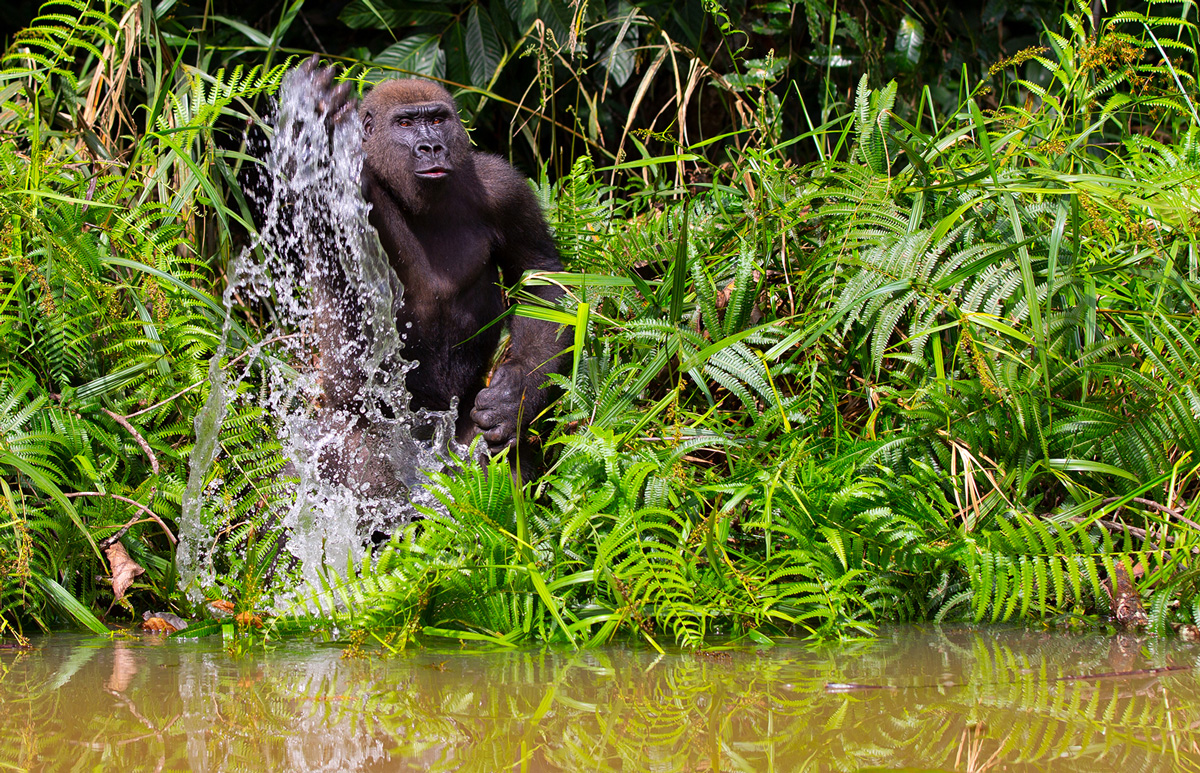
(157, 625)
(221, 605)
(1127, 602)
(124, 569)
(249, 620)
(162, 622)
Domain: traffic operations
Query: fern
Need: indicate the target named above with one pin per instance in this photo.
(872, 121)
(48, 46)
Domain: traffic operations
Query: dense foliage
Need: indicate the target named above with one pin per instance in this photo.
(948, 369)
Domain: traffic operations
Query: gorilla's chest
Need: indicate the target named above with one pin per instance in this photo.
(444, 268)
(450, 278)
(451, 293)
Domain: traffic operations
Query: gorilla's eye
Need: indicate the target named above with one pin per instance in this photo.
(438, 120)
(404, 122)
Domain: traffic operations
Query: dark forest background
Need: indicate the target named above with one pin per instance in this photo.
(808, 53)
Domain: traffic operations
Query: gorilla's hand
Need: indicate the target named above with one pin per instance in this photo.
(498, 407)
(335, 103)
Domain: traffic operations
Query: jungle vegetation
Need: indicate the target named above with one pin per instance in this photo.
(875, 317)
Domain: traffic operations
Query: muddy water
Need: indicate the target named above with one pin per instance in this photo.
(911, 699)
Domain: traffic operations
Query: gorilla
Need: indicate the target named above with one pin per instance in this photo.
(454, 223)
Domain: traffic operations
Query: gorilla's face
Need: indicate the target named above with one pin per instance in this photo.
(414, 145)
(423, 129)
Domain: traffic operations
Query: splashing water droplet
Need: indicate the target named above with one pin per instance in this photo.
(333, 379)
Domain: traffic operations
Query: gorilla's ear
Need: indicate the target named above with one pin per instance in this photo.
(367, 123)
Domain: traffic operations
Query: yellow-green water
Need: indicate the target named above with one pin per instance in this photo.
(950, 700)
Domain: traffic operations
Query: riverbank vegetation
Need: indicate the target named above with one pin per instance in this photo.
(863, 332)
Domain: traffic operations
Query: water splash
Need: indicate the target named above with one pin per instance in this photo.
(333, 380)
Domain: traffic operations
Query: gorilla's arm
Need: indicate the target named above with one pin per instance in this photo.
(517, 391)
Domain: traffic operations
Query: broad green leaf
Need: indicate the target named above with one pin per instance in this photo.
(253, 35)
(558, 18)
(993, 323)
(449, 633)
(522, 12)
(909, 38)
(415, 55)
(69, 604)
(619, 58)
(483, 47)
(374, 14)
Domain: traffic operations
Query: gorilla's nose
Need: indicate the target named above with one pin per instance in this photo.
(430, 148)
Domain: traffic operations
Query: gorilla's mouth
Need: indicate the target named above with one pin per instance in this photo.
(433, 172)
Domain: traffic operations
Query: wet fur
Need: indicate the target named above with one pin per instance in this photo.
(452, 242)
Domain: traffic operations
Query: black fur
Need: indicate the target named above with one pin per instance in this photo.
(455, 224)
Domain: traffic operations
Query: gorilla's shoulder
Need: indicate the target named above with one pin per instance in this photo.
(504, 186)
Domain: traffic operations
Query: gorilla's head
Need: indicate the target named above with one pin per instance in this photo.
(414, 141)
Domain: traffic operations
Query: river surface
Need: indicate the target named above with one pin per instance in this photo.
(911, 699)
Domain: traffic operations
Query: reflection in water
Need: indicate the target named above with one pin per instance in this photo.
(954, 700)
